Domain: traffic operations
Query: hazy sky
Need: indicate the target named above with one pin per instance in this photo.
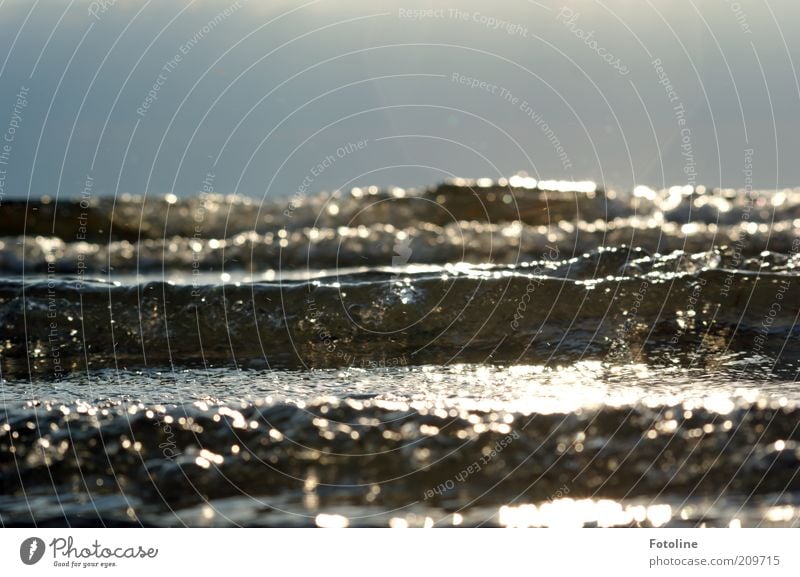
(151, 97)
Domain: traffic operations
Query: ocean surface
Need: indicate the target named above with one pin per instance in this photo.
(477, 353)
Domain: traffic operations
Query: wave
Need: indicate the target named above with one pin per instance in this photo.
(616, 302)
(300, 459)
(383, 245)
(499, 222)
(134, 218)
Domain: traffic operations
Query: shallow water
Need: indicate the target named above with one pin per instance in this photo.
(510, 361)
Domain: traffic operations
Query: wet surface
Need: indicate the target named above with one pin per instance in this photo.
(513, 367)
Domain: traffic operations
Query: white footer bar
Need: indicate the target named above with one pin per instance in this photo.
(408, 553)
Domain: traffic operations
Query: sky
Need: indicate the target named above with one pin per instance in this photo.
(268, 98)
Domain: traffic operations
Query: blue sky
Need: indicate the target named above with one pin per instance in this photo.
(262, 92)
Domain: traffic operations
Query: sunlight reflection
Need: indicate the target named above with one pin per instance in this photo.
(571, 513)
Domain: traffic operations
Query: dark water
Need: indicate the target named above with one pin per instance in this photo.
(477, 353)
